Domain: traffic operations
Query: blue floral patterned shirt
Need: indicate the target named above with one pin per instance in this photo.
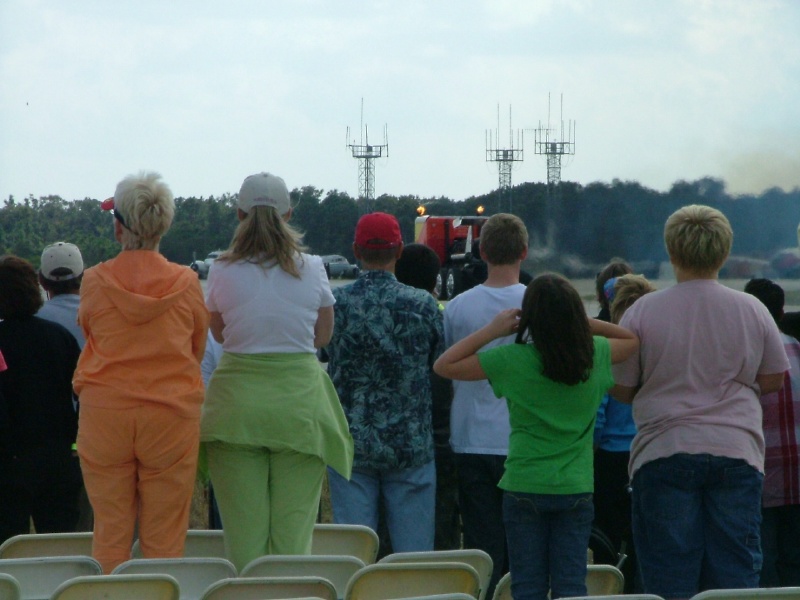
(386, 337)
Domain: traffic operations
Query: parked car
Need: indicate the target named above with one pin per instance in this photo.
(338, 266)
(201, 267)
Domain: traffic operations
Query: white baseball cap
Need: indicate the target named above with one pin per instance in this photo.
(61, 261)
(264, 189)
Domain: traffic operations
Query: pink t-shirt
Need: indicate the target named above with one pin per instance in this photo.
(702, 345)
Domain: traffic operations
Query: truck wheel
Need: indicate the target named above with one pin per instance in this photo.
(450, 283)
(441, 288)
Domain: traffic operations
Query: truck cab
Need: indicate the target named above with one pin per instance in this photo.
(456, 241)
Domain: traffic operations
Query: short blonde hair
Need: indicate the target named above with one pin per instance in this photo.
(698, 238)
(147, 208)
(503, 239)
(627, 290)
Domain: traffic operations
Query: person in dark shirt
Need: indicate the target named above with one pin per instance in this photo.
(790, 324)
(39, 472)
(418, 267)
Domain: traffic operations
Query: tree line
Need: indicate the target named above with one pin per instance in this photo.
(570, 224)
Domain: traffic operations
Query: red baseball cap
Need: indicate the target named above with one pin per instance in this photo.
(378, 230)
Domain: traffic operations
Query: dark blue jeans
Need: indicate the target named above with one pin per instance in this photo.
(696, 524)
(548, 535)
(481, 504)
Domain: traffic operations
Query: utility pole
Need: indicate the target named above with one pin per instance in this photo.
(554, 145)
(366, 154)
(504, 157)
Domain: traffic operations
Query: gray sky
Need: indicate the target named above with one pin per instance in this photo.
(208, 92)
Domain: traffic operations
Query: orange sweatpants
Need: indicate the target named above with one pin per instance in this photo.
(138, 462)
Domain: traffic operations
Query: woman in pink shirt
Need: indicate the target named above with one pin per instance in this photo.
(707, 353)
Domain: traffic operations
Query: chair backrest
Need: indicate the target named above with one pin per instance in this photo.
(477, 559)
(119, 587)
(782, 593)
(349, 540)
(615, 597)
(601, 580)
(385, 581)
(604, 580)
(200, 543)
(453, 596)
(32, 545)
(194, 574)
(270, 588)
(39, 577)
(336, 569)
(9, 587)
(502, 590)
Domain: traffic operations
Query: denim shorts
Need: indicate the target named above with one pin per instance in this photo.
(696, 524)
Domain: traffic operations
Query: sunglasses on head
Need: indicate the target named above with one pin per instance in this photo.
(108, 204)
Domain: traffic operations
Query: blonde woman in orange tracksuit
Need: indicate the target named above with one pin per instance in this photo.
(139, 382)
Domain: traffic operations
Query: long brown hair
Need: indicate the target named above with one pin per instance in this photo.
(264, 237)
(554, 319)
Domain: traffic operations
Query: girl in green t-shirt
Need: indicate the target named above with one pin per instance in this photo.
(553, 379)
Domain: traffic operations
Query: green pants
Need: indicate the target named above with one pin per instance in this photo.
(268, 500)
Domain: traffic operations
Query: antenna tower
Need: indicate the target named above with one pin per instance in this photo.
(554, 146)
(504, 157)
(366, 154)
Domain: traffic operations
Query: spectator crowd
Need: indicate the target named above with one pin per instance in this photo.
(661, 434)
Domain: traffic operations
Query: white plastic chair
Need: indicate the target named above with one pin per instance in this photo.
(336, 569)
(270, 588)
(502, 590)
(601, 580)
(32, 545)
(477, 559)
(194, 574)
(388, 581)
(604, 580)
(39, 577)
(782, 593)
(345, 540)
(200, 543)
(9, 587)
(119, 587)
(616, 597)
(453, 596)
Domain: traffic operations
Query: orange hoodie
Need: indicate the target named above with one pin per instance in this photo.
(145, 322)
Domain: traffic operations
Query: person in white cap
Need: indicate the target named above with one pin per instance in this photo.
(60, 274)
(271, 418)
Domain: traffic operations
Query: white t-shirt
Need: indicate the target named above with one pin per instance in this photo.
(702, 345)
(268, 310)
(478, 419)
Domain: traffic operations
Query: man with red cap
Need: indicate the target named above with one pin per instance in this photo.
(386, 337)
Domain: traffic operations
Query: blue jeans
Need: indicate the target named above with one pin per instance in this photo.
(548, 535)
(481, 504)
(696, 524)
(409, 497)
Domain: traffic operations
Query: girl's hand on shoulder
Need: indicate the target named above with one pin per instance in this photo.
(506, 322)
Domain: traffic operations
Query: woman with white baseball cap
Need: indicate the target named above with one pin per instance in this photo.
(272, 419)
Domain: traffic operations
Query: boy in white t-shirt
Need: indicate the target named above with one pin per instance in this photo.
(479, 425)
